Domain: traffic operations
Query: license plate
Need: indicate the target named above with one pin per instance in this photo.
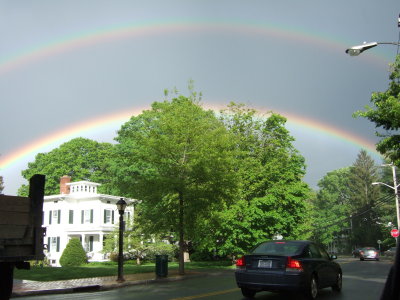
(265, 263)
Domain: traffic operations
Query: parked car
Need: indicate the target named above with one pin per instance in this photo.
(391, 252)
(279, 266)
(369, 253)
(356, 252)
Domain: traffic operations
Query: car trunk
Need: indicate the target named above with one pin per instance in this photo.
(266, 262)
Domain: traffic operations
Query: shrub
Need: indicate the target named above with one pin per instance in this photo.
(160, 248)
(114, 256)
(73, 254)
(40, 263)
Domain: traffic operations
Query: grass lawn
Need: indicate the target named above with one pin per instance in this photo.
(106, 269)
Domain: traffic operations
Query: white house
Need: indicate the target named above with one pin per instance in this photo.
(80, 212)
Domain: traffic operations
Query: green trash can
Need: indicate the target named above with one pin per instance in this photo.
(162, 265)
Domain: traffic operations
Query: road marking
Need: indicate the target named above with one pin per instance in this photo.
(380, 280)
(207, 295)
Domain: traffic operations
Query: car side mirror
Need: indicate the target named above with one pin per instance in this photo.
(333, 257)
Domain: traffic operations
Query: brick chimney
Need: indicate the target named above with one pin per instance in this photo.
(64, 188)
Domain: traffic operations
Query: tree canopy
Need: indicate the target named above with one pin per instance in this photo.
(80, 158)
(331, 208)
(1, 184)
(272, 198)
(178, 159)
(385, 113)
(349, 211)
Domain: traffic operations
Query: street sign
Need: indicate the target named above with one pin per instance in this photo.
(394, 233)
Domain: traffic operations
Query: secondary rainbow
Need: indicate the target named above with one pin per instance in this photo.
(128, 31)
(80, 129)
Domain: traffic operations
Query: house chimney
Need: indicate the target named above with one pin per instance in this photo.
(64, 188)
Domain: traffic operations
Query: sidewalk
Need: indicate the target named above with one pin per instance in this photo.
(29, 288)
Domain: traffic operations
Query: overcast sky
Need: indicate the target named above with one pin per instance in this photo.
(65, 62)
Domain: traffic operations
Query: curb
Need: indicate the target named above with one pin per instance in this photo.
(106, 287)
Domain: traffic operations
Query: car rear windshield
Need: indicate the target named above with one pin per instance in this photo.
(279, 248)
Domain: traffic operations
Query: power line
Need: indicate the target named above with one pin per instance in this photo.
(383, 200)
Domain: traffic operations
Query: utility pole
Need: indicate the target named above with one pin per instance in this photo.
(396, 193)
(395, 188)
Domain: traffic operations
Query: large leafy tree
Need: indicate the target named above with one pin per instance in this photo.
(385, 113)
(80, 158)
(1, 184)
(331, 209)
(271, 199)
(363, 199)
(178, 159)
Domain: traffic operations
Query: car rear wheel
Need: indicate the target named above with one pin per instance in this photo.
(337, 287)
(312, 291)
(248, 293)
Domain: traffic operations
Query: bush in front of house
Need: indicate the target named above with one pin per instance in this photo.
(114, 256)
(161, 248)
(73, 254)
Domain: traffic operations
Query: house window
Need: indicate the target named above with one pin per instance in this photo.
(108, 216)
(87, 216)
(127, 216)
(71, 217)
(53, 244)
(54, 216)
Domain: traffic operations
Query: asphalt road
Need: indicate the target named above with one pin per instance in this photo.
(361, 280)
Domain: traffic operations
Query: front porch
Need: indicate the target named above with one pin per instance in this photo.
(92, 243)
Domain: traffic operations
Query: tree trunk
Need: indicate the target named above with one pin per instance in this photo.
(181, 237)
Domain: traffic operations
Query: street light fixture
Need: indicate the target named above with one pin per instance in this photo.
(121, 205)
(395, 188)
(356, 50)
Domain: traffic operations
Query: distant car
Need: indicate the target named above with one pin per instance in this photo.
(369, 253)
(356, 252)
(391, 252)
(279, 266)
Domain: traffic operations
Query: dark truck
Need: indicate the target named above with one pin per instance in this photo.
(21, 232)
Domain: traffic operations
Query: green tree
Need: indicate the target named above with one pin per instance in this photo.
(177, 158)
(1, 184)
(331, 209)
(271, 198)
(73, 254)
(385, 113)
(363, 199)
(80, 158)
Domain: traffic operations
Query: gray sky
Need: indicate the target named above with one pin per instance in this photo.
(66, 62)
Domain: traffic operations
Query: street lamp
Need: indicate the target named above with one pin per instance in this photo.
(395, 188)
(121, 205)
(356, 50)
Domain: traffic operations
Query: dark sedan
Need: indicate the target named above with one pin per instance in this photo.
(279, 266)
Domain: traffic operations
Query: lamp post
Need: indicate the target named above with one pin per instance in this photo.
(121, 205)
(357, 50)
(395, 188)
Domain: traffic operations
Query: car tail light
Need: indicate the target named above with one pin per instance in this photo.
(293, 265)
(241, 262)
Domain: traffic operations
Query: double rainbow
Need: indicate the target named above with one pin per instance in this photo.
(129, 31)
